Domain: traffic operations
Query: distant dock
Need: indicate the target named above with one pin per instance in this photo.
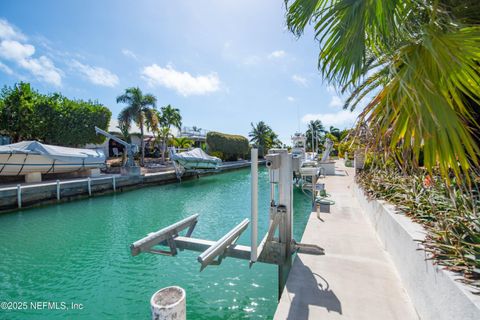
(23, 195)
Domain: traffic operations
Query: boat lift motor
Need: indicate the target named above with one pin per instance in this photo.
(276, 247)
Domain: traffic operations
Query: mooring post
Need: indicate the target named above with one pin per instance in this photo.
(114, 184)
(285, 196)
(254, 195)
(19, 195)
(89, 184)
(58, 190)
(169, 304)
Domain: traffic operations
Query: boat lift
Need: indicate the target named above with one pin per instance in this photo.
(131, 149)
(276, 247)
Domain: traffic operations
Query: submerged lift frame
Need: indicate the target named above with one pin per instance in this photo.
(277, 246)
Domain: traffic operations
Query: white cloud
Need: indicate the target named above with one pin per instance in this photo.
(129, 54)
(182, 82)
(277, 54)
(9, 32)
(44, 69)
(96, 75)
(336, 102)
(341, 119)
(299, 79)
(14, 50)
(5, 69)
(11, 48)
(291, 99)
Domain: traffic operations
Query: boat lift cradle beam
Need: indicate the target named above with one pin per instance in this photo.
(272, 249)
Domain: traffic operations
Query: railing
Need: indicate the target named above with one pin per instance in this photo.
(58, 184)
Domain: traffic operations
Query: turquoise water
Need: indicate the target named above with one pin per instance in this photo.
(79, 252)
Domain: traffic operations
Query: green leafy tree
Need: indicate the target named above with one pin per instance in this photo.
(420, 62)
(226, 146)
(26, 114)
(17, 116)
(139, 109)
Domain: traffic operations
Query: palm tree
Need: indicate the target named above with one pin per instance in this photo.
(317, 128)
(139, 109)
(182, 142)
(264, 137)
(170, 117)
(419, 61)
(335, 132)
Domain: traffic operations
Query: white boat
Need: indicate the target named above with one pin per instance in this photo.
(27, 157)
(196, 159)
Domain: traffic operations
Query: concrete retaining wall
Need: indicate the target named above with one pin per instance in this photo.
(434, 291)
(46, 193)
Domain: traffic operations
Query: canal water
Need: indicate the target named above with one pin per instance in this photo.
(78, 252)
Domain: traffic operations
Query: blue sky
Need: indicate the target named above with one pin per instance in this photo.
(224, 64)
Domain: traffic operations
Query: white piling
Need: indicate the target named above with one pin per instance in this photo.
(114, 184)
(168, 304)
(19, 195)
(254, 195)
(58, 190)
(89, 184)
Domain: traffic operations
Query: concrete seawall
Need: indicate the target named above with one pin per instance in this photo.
(71, 189)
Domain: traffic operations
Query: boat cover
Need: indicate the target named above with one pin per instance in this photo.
(57, 153)
(197, 155)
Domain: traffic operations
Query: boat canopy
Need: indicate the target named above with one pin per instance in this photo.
(196, 155)
(57, 153)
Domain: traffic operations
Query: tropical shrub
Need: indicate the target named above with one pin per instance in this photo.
(231, 146)
(450, 214)
(26, 114)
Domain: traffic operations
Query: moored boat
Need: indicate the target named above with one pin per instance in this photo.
(28, 157)
(196, 159)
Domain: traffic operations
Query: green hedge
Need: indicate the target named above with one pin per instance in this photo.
(228, 146)
(26, 114)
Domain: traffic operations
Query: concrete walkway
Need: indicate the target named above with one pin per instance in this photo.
(355, 279)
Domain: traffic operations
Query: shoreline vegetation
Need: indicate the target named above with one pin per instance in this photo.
(26, 114)
(450, 214)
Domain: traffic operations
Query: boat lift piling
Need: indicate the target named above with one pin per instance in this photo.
(19, 196)
(254, 195)
(272, 249)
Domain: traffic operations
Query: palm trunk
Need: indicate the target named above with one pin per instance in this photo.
(142, 144)
(164, 141)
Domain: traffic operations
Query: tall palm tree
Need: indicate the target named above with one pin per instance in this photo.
(264, 137)
(139, 109)
(170, 117)
(419, 61)
(316, 127)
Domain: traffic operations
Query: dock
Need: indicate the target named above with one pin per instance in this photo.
(356, 278)
(22, 195)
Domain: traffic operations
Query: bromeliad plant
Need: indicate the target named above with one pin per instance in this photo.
(450, 214)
